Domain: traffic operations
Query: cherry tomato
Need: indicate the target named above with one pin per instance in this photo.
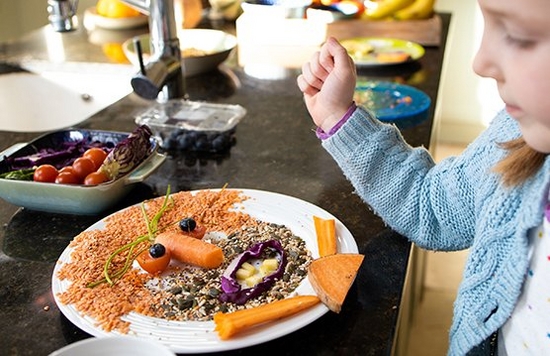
(197, 233)
(45, 173)
(152, 264)
(67, 169)
(83, 166)
(190, 228)
(96, 154)
(67, 177)
(95, 178)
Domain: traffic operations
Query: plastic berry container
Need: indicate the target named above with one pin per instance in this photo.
(193, 126)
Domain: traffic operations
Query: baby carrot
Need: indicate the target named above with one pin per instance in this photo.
(326, 235)
(229, 324)
(190, 250)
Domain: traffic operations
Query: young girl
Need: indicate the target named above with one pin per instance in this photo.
(492, 199)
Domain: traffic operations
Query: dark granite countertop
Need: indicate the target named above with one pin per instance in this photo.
(277, 151)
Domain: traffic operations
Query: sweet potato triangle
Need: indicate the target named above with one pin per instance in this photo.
(332, 276)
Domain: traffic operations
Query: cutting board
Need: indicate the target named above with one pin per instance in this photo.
(425, 32)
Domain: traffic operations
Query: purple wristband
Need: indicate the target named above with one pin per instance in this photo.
(324, 135)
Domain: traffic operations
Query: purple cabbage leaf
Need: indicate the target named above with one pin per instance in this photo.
(232, 290)
(128, 153)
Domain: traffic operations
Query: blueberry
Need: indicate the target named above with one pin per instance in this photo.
(221, 143)
(185, 142)
(169, 143)
(157, 250)
(193, 134)
(175, 133)
(202, 143)
(188, 224)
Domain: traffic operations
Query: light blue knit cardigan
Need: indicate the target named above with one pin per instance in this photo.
(454, 205)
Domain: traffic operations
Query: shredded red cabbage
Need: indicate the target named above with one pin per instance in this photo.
(232, 290)
(61, 156)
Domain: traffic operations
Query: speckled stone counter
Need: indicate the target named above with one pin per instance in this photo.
(277, 151)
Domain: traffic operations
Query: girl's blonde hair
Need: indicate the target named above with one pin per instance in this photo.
(520, 163)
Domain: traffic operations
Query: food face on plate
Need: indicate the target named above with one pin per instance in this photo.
(261, 262)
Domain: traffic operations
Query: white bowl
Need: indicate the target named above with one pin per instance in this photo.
(216, 44)
(114, 346)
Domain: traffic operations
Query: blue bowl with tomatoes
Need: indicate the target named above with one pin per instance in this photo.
(55, 172)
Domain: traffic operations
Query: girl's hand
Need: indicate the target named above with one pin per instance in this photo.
(328, 84)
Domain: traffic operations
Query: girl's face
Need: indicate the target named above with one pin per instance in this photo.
(515, 51)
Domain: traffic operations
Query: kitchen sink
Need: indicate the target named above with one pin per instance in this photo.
(47, 97)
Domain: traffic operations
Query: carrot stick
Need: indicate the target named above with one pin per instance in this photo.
(190, 250)
(229, 324)
(326, 235)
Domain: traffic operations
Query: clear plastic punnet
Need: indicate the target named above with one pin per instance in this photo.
(183, 125)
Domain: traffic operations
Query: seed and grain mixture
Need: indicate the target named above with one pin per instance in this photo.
(184, 292)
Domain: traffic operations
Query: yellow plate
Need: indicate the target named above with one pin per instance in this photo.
(374, 51)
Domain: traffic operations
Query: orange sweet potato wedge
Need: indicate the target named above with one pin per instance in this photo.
(332, 276)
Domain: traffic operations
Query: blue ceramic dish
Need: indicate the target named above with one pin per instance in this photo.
(392, 102)
(69, 198)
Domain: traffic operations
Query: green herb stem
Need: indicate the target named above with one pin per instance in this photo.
(152, 230)
(22, 174)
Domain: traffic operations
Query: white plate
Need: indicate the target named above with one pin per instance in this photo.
(92, 20)
(200, 337)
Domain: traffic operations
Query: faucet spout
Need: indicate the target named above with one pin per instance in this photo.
(164, 75)
(164, 72)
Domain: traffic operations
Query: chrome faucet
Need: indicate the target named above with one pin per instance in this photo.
(164, 71)
(162, 77)
(62, 14)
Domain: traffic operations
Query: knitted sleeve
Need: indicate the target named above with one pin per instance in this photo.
(433, 205)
